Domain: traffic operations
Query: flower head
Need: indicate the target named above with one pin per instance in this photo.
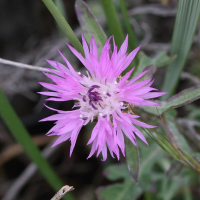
(102, 96)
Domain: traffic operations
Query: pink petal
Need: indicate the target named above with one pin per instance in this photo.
(85, 47)
(104, 153)
(136, 78)
(61, 139)
(130, 57)
(69, 65)
(74, 136)
(152, 95)
(142, 124)
(94, 148)
(93, 47)
(139, 134)
(123, 47)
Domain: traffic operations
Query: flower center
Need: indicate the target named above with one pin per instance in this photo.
(94, 96)
(100, 100)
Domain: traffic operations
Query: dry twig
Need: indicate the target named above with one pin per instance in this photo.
(192, 78)
(154, 10)
(21, 65)
(62, 192)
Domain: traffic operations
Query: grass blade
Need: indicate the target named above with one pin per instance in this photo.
(64, 25)
(185, 26)
(132, 42)
(113, 21)
(21, 135)
(129, 28)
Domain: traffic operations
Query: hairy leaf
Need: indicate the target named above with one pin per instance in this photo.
(129, 189)
(175, 132)
(132, 159)
(174, 151)
(182, 98)
(159, 60)
(89, 24)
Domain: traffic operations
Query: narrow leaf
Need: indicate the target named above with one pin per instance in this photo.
(64, 25)
(132, 42)
(129, 27)
(175, 152)
(174, 169)
(175, 132)
(150, 72)
(132, 159)
(160, 60)
(187, 193)
(182, 98)
(113, 21)
(22, 136)
(89, 25)
(185, 26)
(129, 189)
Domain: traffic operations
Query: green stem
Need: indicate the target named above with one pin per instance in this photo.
(129, 28)
(131, 37)
(147, 196)
(186, 193)
(60, 5)
(113, 21)
(187, 19)
(22, 136)
(64, 25)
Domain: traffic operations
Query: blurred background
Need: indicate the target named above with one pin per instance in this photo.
(29, 34)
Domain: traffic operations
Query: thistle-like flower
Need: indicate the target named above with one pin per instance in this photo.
(102, 96)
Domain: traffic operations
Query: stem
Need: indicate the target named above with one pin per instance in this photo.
(22, 136)
(22, 65)
(113, 21)
(62, 192)
(131, 36)
(147, 196)
(60, 5)
(186, 193)
(128, 25)
(64, 25)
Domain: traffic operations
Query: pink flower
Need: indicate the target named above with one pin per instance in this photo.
(103, 96)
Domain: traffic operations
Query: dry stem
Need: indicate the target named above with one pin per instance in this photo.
(62, 192)
(21, 65)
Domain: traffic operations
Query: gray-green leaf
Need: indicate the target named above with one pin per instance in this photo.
(132, 159)
(182, 98)
(185, 26)
(159, 60)
(89, 24)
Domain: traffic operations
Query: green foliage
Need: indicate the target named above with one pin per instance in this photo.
(129, 27)
(171, 148)
(129, 189)
(152, 177)
(160, 60)
(89, 25)
(64, 25)
(113, 21)
(154, 164)
(185, 26)
(132, 159)
(22, 136)
(175, 133)
(182, 98)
